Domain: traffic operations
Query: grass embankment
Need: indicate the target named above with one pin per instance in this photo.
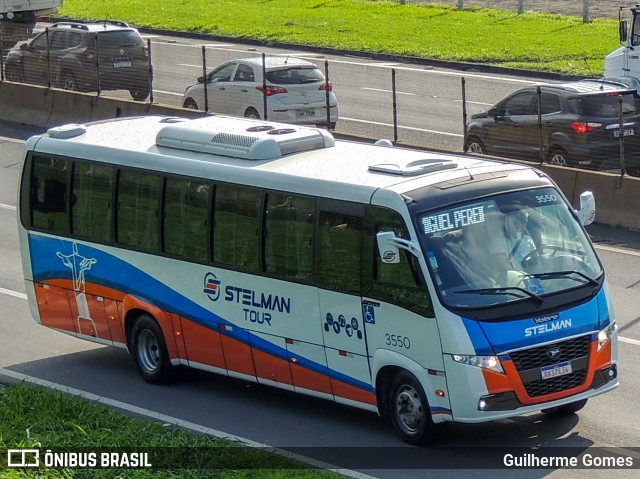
(541, 42)
(32, 417)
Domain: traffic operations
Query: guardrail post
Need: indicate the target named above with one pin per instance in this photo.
(464, 114)
(150, 71)
(327, 92)
(621, 139)
(204, 79)
(395, 105)
(46, 34)
(264, 85)
(1, 59)
(539, 107)
(97, 65)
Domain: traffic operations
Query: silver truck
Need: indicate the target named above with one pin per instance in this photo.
(18, 18)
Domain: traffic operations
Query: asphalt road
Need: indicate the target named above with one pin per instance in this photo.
(339, 434)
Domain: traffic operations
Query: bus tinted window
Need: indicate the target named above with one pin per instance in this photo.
(398, 283)
(289, 233)
(236, 239)
(91, 208)
(339, 247)
(186, 219)
(49, 194)
(138, 209)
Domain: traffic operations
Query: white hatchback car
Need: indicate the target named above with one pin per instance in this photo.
(296, 91)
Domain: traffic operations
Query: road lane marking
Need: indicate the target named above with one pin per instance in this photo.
(635, 342)
(388, 91)
(615, 249)
(7, 207)
(402, 127)
(170, 420)
(15, 294)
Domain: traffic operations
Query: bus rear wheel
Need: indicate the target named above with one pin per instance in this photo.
(409, 410)
(149, 351)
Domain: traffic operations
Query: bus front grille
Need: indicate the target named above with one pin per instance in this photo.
(529, 364)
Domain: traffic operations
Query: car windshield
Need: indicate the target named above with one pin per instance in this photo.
(606, 105)
(295, 76)
(520, 246)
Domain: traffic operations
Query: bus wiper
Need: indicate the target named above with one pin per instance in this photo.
(505, 290)
(563, 274)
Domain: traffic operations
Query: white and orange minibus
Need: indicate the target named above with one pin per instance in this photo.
(425, 287)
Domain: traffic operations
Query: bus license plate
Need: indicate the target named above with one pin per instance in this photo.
(627, 132)
(121, 64)
(550, 372)
(306, 113)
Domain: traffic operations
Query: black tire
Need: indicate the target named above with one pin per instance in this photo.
(149, 351)
(475, 145)
(190, 103)
(559, 157)
(68, 81)
(252, 113)
(409, 410)
(140, 93)
(12, 73)
(566, 409)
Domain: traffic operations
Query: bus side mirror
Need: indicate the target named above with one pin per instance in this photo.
(587, 212)
(388, 250)
(389, 247)
(623, 25)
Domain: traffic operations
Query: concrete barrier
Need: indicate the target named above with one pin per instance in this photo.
(617, 199)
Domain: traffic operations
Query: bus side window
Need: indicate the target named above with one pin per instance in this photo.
(186, 219)
(91, 209)
(339, 248)
(399, 283)
(236, 238)
(289, 236)
(49, 194)
(138, 223)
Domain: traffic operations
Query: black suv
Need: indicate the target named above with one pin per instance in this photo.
(579, 125)
(64, 55)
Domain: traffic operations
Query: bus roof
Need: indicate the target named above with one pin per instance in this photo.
(265, 154)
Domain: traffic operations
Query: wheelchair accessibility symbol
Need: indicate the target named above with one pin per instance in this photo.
(369, 314)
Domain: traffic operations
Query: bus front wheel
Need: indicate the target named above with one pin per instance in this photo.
(149, 351)
(409, 410)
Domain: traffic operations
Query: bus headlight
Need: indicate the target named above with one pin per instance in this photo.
(604, 335)
(485, 362)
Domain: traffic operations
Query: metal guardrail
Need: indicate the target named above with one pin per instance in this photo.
(389, 90)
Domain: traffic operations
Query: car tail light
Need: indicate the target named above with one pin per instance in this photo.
(145, 50)
(271, 90)
(585, 127)
(326, 86)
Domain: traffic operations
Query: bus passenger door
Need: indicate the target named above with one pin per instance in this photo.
(345, 346)
(339, 246)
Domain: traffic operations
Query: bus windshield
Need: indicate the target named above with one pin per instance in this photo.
(518, 246)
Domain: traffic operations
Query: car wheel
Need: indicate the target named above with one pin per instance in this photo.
(69, 81)
(190, 103)
(12, 73)
(252, 113)
(566, 409)
(558, 157)
(149, 351)
(475, 145)
(610, 166)
(409, 410)
(139, 94)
